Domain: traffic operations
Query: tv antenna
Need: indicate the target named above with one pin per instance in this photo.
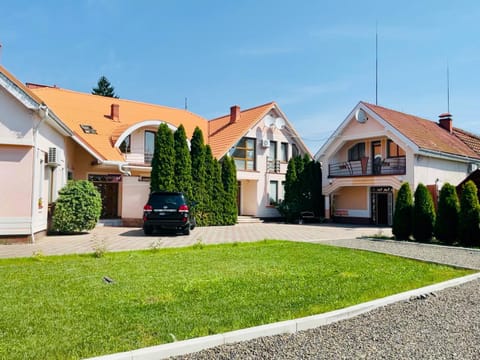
(448, 89)
(376, 63)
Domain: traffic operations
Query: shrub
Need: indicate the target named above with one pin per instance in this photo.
(423, 214)
(78, 207)
(446, 225)
(469, 233)
(402, 217)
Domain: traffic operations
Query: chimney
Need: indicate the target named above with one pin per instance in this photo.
(115, 112)
(234, 114)
(445, 121)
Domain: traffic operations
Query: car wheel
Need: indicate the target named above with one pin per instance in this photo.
(148, 230)
(186, 231)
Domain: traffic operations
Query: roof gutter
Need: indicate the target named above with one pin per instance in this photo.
(446, 156)
(121, 166)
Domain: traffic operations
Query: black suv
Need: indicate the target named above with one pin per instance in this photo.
(167, 210)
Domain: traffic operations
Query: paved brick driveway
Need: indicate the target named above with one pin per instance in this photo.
(121, 238)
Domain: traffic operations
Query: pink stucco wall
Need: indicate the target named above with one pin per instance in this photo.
(15, 181)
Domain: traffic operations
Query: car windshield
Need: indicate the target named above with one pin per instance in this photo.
(166, 201)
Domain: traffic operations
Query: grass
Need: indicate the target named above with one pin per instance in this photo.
(60, 306)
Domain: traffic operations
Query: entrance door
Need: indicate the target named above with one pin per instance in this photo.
(109, 193)
(382, 209)
(381, 205)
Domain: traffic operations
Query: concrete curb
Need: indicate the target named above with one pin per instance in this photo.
(289, 326)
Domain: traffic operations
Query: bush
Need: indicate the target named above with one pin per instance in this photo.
(469, 233)
(446, 226)
(423, 214)
(78, 207)
(402, 217)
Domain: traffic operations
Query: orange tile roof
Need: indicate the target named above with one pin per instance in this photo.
(472, 140)
(76, 108)
(224, 135)
(20, 84)
(426, 134)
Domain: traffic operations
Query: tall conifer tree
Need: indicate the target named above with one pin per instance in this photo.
(183, 163)
(230, 186)
(104, 88)
(163, 161)
(197, 154)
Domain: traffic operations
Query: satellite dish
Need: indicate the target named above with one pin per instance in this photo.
(361, 116)
(279, 123)
(268, 120)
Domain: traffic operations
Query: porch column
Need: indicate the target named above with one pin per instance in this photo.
(327, 207)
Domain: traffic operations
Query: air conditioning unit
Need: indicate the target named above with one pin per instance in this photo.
(472, 167)
(52, 159)
(265, 143)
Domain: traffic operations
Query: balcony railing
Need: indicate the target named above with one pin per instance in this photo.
(367, 167)
(148, 158)
(273, 165)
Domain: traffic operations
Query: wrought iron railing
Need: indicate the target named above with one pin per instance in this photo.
(367, 167)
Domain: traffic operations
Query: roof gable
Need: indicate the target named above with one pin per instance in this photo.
(224, 134)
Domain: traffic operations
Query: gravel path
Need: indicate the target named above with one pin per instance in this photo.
(445, 325)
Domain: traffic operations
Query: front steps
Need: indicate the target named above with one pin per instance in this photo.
(244, 219)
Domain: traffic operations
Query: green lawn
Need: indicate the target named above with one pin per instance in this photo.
(60, 307)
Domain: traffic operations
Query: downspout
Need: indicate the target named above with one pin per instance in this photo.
(120, 166)
(43, 113)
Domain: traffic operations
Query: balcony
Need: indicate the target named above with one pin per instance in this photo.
(367, 167)
(273, 166)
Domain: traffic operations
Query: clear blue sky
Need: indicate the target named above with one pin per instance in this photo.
(315, 58)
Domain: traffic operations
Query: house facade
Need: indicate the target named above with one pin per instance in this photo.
(375, 150)
(261, 141)
(49, 135)
(33, 142)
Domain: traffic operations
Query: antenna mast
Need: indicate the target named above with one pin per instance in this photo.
(376, 63)
(448, 89)
(186, 103)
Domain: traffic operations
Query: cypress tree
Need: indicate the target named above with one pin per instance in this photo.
(469, 234)
(230, 187)
(183, 163)
(446, 226)
(423, 214)
(214, 194)
(163, 161)
(197, 155)
(403, 215)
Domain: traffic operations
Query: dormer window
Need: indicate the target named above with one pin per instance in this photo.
(88, 129)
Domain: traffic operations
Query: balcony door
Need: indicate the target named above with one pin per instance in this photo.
(376, 157)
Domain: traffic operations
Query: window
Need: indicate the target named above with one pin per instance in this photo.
(125, 145)
(284, 152)
(393, 150)
(273, 192)
(356, 152)
(294, 150)
(149, 146)
(244, 154)
(273, 151)
(88, 129)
